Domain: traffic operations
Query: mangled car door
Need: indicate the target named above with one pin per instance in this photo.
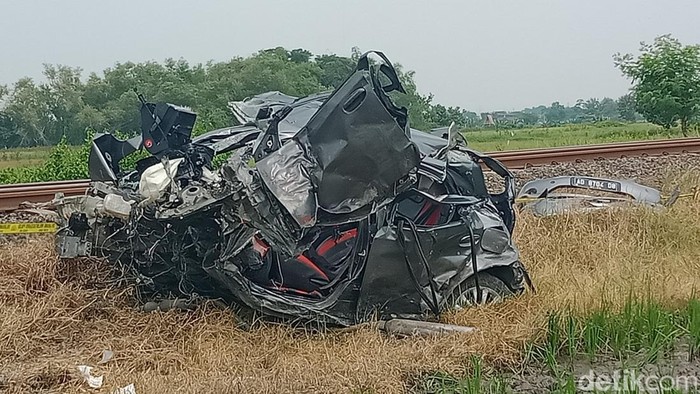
(354, 152)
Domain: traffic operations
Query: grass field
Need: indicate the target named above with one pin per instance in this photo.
(23, 157)
(612, 284)
(579, 134)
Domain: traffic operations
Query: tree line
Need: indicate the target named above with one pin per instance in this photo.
(665, 90)
(583, 111)
(66, 106)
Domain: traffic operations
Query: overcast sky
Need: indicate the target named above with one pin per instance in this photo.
(480, 55)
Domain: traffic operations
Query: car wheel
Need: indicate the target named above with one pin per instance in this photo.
(491, 290)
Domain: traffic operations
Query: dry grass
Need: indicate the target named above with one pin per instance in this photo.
(54, 316)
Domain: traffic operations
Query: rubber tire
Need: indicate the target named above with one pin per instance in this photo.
(486, 281)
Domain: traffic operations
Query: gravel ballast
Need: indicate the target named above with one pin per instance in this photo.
(654, 171)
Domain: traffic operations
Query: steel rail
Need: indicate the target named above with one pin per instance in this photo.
(533, 157)
(11, 196)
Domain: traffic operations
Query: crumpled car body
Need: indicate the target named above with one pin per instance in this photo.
(329, 208)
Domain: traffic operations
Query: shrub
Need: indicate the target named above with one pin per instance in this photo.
(64, 163)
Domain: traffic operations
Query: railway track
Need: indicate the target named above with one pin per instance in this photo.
(11, 196)
(532, 157)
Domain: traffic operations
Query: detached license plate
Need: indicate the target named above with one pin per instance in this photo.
(598, 184)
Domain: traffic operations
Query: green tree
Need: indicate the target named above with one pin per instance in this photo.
(666, 81)
(607, 109)
(299, 55)
(626, 108)
(591, 107)
(556, 113)
(530, 118)
(440, 115)
(472, 119)
(334, 69)
(28, 110)
(44, 113)
(63, 91)
(8, 132)
(66, 105)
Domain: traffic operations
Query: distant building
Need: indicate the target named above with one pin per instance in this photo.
(502, 117)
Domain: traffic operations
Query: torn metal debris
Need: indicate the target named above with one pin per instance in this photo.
(330, 209)
(403, 327)
(539, 196)
(85, 372)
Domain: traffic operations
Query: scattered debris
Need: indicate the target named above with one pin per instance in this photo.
(128, 389)
(422, 328)
(94, 382)
(540, 198)
(329, 209)
(106, 356)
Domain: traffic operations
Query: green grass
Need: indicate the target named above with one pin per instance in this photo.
(473, 383)
(24, 157)
(642, 327)
(642, 332)
(580, 134)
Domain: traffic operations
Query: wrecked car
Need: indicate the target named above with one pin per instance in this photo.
(557, 195)
(328, 208)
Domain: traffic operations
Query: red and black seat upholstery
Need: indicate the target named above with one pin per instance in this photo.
(310, 271)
